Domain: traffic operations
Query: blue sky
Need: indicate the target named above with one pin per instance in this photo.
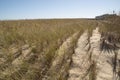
(32, 9)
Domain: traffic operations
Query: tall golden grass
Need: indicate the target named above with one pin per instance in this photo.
(44, 37)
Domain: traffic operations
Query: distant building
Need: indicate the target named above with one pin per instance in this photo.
(102, 17)
(119, 13)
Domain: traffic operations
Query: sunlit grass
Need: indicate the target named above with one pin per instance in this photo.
(44, 37)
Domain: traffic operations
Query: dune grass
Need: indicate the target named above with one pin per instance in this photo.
(44, 38)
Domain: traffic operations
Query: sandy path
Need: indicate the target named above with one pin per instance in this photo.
(64, 49)
(102, 59)
(81, 63)
(79, 59)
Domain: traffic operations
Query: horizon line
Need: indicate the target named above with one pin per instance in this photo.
(44, 18)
